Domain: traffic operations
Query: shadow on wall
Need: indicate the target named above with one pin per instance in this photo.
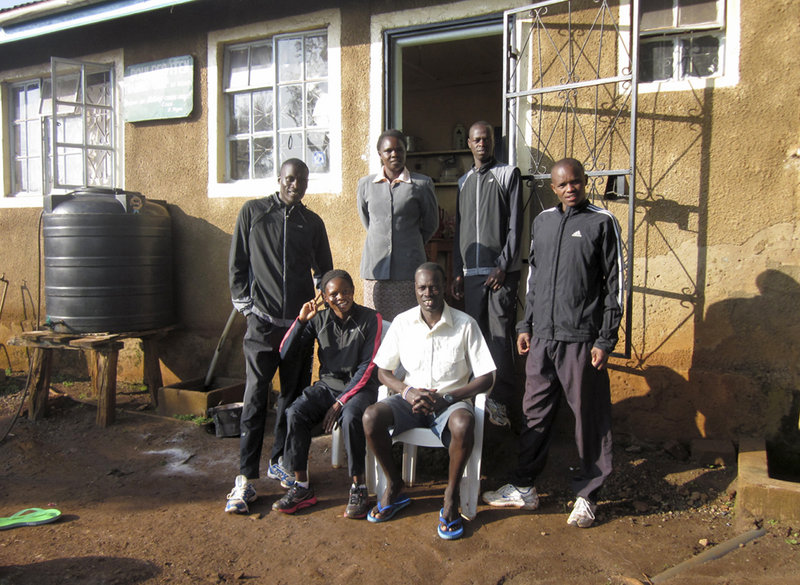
(755, 344)
(202, 301)
(744, 379)
(742, 354)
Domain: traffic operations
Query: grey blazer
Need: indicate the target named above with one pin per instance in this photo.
(399, 220)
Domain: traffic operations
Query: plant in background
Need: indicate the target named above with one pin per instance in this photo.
(198, 420)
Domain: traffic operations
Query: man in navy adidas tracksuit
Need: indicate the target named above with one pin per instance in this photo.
(572, 314)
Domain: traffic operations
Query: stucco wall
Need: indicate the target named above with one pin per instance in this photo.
(716, 331)
(716, 323)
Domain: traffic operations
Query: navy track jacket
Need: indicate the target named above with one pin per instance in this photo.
(575, 279)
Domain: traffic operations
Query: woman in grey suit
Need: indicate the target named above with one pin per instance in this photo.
(400, 212)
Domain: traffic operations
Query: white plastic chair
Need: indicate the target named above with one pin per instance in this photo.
(411, 439)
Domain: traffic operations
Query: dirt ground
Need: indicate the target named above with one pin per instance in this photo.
(142, 503)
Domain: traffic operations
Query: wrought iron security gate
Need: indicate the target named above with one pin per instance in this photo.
(570, 77)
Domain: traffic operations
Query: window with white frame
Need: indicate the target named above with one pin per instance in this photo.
(26, 137)
(681, 39)
(62, 139)
(276, 105)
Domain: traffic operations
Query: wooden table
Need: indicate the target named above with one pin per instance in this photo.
(102, 351)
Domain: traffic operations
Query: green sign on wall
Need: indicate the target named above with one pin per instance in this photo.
(159, 89)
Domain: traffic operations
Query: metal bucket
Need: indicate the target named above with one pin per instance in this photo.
(226, 419)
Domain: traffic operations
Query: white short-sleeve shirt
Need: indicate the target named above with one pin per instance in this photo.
(443, 357)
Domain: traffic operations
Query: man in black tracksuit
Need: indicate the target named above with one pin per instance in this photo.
(276, 244)
(486, 260)
(572, 314)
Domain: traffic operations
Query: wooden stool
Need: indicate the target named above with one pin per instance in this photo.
(102, 352)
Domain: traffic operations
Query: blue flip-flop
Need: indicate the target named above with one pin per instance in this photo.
(30, 517)
(449, 534)
(388, 512)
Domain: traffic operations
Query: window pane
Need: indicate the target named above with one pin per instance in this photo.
(46, 104)
(33, 144)
(70, 130)
(656, 61)
(700, 56)
(262, 111)
(291, 146)
(32, 99)
(20, 140)
(34, 175)
(695, 12)
(239, 114)
(290, 106)
(28, 176)
(240, 159)
(317, 155)
(261, 72)
(99, 163)
(290, 59)
(317, 104)
(237, 68)
(20, 176)
(18, 107)
(70, 166)
(68, 89)
(263, 159)
(98, 88)
(316, 56)
(656, 14)
(98, 126)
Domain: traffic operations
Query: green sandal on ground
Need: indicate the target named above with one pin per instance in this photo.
(30, 517)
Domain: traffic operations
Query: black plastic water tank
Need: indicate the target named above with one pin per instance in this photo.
(108, 262)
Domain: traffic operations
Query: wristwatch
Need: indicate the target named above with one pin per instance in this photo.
(449, 399)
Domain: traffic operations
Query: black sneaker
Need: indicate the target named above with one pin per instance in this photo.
(358, 505)
(295, 499)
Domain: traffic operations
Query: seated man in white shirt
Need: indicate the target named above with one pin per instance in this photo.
(446, 361)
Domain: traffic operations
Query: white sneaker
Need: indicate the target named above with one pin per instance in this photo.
(582, 514)
(242, 494)
(511, 496)
(277, 471)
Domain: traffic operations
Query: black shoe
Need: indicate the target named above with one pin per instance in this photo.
(295, 499)
(358, 506)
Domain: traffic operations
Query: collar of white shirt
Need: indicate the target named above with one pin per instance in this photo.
(446, 320)
(404, 177)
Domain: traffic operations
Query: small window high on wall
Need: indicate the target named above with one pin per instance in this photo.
(682, 39)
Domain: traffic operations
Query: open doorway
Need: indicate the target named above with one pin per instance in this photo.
(439, 80)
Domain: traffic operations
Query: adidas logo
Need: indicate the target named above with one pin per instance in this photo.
(577, 234)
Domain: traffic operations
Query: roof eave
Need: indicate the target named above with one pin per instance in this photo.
(52, 16)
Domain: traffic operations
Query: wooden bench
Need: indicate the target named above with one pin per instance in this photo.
(102, 351)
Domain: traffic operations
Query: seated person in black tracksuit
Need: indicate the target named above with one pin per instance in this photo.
(348, 336)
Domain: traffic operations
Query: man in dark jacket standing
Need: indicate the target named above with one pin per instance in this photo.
(276, 244)
(572, 314)
(486, 259)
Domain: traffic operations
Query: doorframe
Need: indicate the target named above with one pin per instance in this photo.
(396, 39)
(413, 18)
